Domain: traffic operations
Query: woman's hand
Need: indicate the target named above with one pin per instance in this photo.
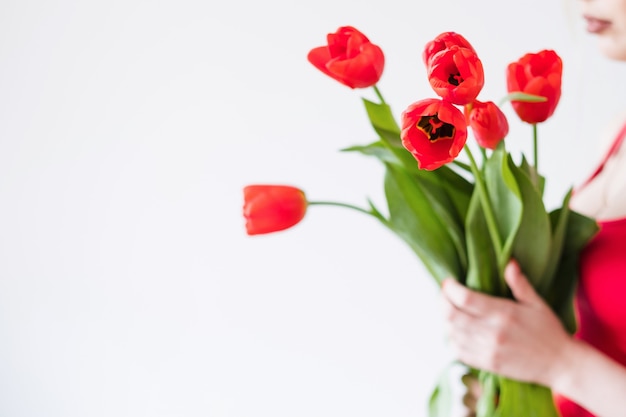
(521, 339)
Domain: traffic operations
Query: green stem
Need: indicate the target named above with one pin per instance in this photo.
(345, 205)
(484, 199)
(380, 96)
(536, 159)
(483, 152)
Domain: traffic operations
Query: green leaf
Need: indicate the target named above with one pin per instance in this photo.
(449, 195)
(519, 96)
(579, 230)
(387, 153)
(490, 392)
(378, 150)
(447, 191)
(559, 222)
(534, 237)
(413, 218)
(376, 212)
(383, 122)
(385, 125)
(521, 399)
(459, 189)
(440, 402)
(532, 173)
(482, 272)
(506, 197)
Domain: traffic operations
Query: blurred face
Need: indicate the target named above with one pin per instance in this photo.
(606, 19)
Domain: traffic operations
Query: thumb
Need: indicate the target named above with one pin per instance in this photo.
(522, 290)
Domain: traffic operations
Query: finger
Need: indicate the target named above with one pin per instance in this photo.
(467, 333)
(472, 302)
(521, 288)
(472, 384)
(471, 352)
(459, 322)
(447, 307)
(470, 401)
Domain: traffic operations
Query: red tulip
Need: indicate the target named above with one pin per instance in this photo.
(434, 131)
(442, 42)
(456, 74)
(349, 58)
(271, 208)
(487, 122)
(539, 74)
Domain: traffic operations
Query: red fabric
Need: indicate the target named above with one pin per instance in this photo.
(601, 292)
(600, 299)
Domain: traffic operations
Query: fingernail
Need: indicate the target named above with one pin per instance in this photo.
(447, 284)
(512, 266)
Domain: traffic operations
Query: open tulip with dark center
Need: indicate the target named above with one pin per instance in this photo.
(434, 131)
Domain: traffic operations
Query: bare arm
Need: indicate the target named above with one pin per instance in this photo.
(524, 340)
(591, 379)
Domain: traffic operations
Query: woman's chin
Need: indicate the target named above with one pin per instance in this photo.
(611, 50)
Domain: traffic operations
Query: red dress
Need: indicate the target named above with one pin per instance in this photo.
(601, 293)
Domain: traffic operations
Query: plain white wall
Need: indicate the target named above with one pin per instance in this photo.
(127, 130)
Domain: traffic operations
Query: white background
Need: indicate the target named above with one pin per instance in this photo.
(127, 130)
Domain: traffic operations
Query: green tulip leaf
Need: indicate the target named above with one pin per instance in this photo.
(449, 196)
(413, 218)
(489, 396)
(385, 125)
(580, 230)
(506, 198)
(534, 237)
(387, 154)
(375, 212)
(521, 399)
(458, 187)
(447, 191)
(383, 122)
(482, 271)
(378, 150)
(520, 96)
(560, 296)
(559, 222)
(440, 401)
(532, 173)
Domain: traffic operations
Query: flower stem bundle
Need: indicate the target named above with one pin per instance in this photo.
(462, 220)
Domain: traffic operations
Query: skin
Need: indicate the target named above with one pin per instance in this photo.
(522, 339)
(612, 39)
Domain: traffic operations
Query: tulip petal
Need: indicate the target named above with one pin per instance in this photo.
(349, 58)
(539, 74)
(271, 208)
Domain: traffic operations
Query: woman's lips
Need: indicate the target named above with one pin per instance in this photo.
(595, 25)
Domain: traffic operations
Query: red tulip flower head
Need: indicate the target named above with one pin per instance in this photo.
(443, 42)
(349, 58)
(487, 122)
(271, 208)
(456, 74)
(539, 74)
(434, 131)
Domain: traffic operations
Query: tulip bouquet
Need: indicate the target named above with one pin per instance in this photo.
(463, 219)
